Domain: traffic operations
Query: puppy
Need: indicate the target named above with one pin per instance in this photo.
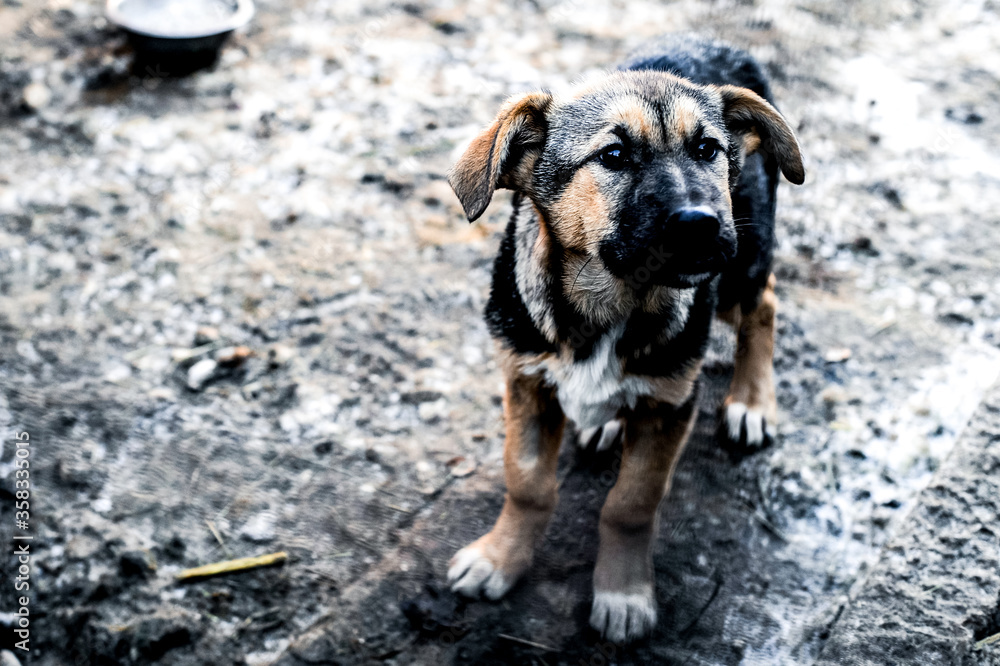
(644, 206)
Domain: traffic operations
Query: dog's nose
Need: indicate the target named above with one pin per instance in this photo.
(693, 227)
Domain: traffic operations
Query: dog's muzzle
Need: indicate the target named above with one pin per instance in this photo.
(673, 250)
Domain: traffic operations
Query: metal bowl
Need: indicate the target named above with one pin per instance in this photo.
(178, 36)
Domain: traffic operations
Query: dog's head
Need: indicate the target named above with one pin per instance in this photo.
(634, 170)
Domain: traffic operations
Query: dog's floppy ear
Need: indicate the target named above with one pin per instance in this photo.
(760, 126)
(493, 157)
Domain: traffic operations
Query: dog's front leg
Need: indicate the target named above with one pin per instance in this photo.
(624, 602)
(750, 409)
(494, 562)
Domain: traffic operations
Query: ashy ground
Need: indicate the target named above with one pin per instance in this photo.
(291, 202)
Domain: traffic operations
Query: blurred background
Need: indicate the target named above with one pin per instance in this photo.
(240, 313)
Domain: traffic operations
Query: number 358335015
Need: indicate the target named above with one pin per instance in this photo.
(22, 475)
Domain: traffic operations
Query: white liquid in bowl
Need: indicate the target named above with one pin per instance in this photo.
(178, 17)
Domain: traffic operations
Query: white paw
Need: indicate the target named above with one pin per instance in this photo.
(470, 574)
(622, 617)
(585, 436)
(740, 420)
(608, 435)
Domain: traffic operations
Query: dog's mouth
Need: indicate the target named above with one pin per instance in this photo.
(656, 265)
(705, 264)
(692, 272)
(684, 268)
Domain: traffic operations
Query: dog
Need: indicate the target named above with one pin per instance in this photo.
(644, 205)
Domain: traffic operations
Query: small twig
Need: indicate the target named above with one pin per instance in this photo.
(268, 615)
(883, 327)
(931, 590)
(324, 575)
(711, 598)
(522, 641)
(989, 640)
(139, 353)
(765, 523)
(924, 633)
(229, 566)
(388, 492)
(218, 537)
(181, 355)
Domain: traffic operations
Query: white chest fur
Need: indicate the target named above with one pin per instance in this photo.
(593, 390)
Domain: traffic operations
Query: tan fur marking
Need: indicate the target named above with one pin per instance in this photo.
(751, 140)
(731, 316)
(634, 114)
(675, 390)
(685, 119)
(589, 286)
(542, 241)
(514, 364)
(580, 216)
(658, 298)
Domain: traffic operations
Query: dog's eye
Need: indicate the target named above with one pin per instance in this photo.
(706, 150)
(614, 157)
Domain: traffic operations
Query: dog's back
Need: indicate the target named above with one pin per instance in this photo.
(709, 62)
(700, 60)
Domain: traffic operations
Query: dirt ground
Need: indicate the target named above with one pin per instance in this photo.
(292, 201)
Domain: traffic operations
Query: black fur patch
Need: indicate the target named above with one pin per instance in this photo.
(507, 316)
(703, 61)
(645, 350)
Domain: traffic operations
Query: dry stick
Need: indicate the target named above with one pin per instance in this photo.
(241, 564)
(218, 537)
(139, 353)
(711, 598)
(515, 639)
(188, 354)
(989, 640)
(770, 527)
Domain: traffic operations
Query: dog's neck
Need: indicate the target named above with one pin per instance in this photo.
(571, 294)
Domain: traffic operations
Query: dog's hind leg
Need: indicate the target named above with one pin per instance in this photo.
(750, 410)
(624, 606)
(534, 426)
